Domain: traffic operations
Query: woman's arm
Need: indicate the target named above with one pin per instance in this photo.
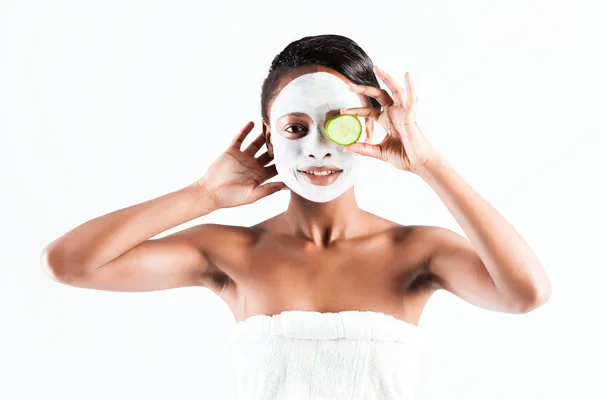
(495, 268)
(498, 270)
(116, 252)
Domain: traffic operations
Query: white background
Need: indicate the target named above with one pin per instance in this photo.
(108, 104)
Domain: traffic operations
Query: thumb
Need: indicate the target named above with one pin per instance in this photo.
(365, 149)
(265, 190)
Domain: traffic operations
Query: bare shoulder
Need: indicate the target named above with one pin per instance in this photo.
(425, 237)
(220, 242)
(433, 238)
(221, 233)
(419, 244)
(226, 248)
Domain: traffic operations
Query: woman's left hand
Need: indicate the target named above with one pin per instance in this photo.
(404, 146)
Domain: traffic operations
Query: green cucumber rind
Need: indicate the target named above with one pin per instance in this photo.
(339, 116)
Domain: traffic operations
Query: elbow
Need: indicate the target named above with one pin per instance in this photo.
(62, 266)
(54, 264)
(48, 262)
(537, 298)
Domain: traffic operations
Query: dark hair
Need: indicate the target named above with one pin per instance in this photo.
(333, 51)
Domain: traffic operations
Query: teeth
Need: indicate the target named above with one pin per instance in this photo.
(317, 173)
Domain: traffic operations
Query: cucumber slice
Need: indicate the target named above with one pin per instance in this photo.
(344, 129)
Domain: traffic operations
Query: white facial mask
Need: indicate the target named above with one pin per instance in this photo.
(314, 94)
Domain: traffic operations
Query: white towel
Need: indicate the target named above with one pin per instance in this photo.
(308, 355)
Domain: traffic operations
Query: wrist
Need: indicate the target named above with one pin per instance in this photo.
(202, 197)
(430, 165)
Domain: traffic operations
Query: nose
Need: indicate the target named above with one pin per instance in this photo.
(319, 146)
(318, 157)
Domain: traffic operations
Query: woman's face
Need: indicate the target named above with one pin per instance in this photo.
(307, 161)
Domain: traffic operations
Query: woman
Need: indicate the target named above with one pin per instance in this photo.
(333, 289)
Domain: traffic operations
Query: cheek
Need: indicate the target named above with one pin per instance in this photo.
(286, 150)
(348, 157)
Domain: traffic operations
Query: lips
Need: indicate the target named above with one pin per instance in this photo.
(321, 176)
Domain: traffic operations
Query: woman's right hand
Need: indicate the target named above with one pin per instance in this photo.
(236, 177)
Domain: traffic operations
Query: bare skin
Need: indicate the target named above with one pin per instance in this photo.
(279, 269)
(325, 257)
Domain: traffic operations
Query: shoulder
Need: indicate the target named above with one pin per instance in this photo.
(434, 242)
(222, 235)
(417, 238)
(225, 247)
(422, 244)
(428, 237)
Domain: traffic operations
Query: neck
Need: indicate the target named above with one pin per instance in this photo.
(323, 223)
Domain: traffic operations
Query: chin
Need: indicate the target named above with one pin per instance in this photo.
(316, 193)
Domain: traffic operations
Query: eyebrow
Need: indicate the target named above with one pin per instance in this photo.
(295, 114)
(335, 111)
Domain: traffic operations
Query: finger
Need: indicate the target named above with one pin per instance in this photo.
(397, 90)
(410, 88)
(256, 144)
(239, 138)
(369, 136)
(264, 158)
(271, 171)
(378, 94)
(367, 112)
(365, 149)
(266, 190)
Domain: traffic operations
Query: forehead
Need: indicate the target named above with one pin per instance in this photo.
(307, 69)
(313, 92)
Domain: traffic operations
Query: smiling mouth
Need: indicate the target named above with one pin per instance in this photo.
(321, 176)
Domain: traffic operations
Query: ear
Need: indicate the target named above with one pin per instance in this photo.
(369, 128)
(266, 131)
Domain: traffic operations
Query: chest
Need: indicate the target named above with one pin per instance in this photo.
(271, 277)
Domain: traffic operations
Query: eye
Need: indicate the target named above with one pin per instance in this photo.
(298, 128)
